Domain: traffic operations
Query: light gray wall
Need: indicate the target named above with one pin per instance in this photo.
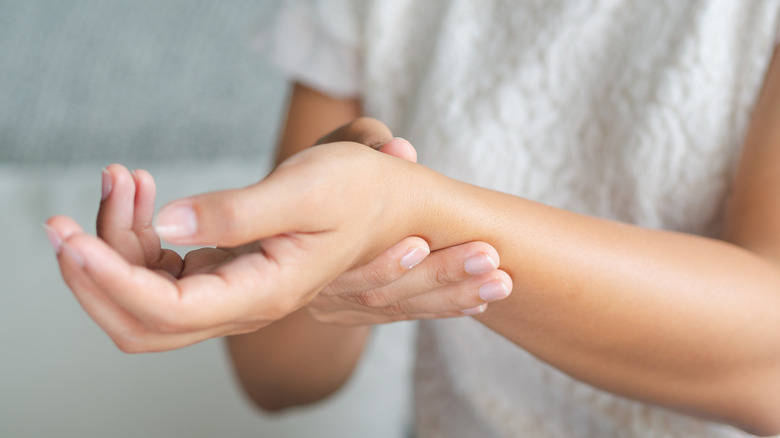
(118, 80)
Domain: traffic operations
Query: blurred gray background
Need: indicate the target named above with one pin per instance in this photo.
(174, 87)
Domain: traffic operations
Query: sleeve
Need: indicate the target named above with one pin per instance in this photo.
(316, 42)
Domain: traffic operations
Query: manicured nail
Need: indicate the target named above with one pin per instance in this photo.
(480, 264)
(176, 222)
(413, 257)
(107, 184)
(54, 238)
(72, 254)
(475, 310)
(493, 290)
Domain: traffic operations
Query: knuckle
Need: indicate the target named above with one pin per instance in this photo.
(374, 298)
(228, 212)
(440, 274)
(379, 277)
(396, 310)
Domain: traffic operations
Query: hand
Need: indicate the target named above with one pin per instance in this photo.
(153, 301)
(147, 299)
(136, 291)
(388, 289)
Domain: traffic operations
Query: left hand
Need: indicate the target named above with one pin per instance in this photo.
(303, 219)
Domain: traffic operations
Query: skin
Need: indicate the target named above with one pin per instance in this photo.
(329, 333)
(682, 321)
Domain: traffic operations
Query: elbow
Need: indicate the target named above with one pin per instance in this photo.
(279, 401)
(271, 405)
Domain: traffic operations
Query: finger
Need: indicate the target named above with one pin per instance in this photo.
(352, 317)
(145, 194)
(116, 211)
(374, 134)
(143, 213)
(385, 269)
(297, 197)
(126, 331)
(253, 288)
(117, 215)
(467, 296)
(63, 227)
(366, 130)
(442, 267)
(399, 148)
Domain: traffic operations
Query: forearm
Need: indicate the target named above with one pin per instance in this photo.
(672, 319)
(296, 360)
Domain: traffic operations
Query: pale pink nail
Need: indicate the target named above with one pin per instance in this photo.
(493, 290)
(107, 184)
(54, 238)
(176, 222)
(475, 310)
(72, 254)
(480, 264)
(413, 257)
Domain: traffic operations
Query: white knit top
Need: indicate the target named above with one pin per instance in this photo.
(627, 109)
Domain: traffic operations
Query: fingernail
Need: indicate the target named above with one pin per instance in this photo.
(493, 290)
(72, 254)
(480, 264)
(413, 257)
(475, 310)
(54, 238)
(107, 184)
(176, 221)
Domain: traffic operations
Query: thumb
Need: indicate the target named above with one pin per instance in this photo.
(400, 148)
(374, 134)
(230, 218)
(364, 130)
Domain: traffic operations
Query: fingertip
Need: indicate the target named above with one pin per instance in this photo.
(416, 249)
(496, 287)
(113, 176)
(63, 226)
(141, 175)
(106, 183)
(400, 148)
(475, 310)
(54, 238)
(480, 263)
(176, 222)
(507, 280)
(414, 256)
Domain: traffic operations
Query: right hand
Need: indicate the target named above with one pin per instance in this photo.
(406, 282)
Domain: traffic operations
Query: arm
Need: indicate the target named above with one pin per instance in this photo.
(677, 320)
(682, 321)
(309, 354)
